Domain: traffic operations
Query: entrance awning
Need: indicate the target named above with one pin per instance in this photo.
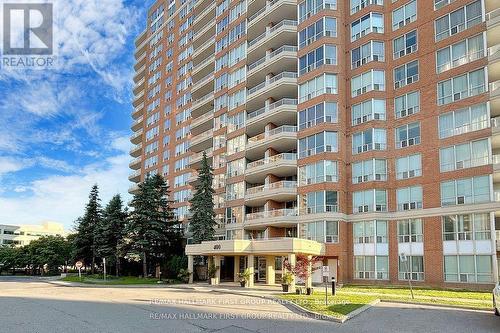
(273, 246)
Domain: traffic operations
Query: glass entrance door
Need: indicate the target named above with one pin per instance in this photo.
(261, 269)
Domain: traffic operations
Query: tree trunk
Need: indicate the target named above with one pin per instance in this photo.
(93, 263)
(144, 265)
(117, 266)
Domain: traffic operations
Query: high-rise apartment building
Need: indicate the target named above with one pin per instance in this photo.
(361, 131)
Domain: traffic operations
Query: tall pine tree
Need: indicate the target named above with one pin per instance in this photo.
(153, 230)
(111, 232)
(202, 221)
(87, 228)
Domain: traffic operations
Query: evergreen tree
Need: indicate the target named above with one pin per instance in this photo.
(86, 227)
(202, 221)
(153, 230)
(111, 232)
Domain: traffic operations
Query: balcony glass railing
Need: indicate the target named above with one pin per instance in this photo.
(284, 48)
(202, 100)
(275, 131)
(272, 213)
(198, 156)
(282, 75)
(284, 23)
(273, 186)
(202, 119)
(202, 137)
(271, 107)
(273, 159)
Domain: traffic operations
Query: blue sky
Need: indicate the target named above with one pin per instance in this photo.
(64, 130)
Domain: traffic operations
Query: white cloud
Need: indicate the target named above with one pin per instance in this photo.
(63, 198)
(9, 164)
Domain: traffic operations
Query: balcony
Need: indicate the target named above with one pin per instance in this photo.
(138, 111)
(136, 150)
(203, 68)
(284, 57)
(205, 50)
(139, 86)
(133, 189)
(498, 239)
(137, 124)
(135, 176)
(135, 164)
(202, 123)
(283, 85)
(137, 137)
(281, 217)
(280, 113)
(200, 6)
(202, 141)
(283, 33)
(202, 105)
(204, 34)
(274, 11)
(138, 99)
(203, 86)
(196, 158)
(139, 74)
(204, 17)
(281, 139)
(281, 165)
(281, 191)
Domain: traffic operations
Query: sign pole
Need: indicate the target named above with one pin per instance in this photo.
(325, 275)
(404, 259)
(80, 273)
(104, 262)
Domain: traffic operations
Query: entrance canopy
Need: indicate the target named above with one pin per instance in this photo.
(273, 246)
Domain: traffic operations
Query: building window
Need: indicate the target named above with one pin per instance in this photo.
(406, 44)
(371, 51)
(407, 104)
(466, 155)
(357, 5)
(322, 84)
(468, 268)
(467, 227)
(372, 22)
(235, 191)
(410, 231)
(462, 121)
(319, 172)
(460, 53)
(406, 74)
(308, 8)
(409, 166)
(324, 27)
(371, 267)
(369, 170)
(322, 231)
(404, 15)
(318, 143)
(325, 112)
(236, 144)
(412, 268)
(465, 191)
(370, 232)
(458, 20)
(370, 139)
(369, 201)
(373, 109)
(408, 135)
(319, 202)
(409, 198)
(371, 80)
(323, 55)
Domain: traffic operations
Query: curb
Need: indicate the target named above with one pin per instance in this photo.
(90, 285)
(455, 307)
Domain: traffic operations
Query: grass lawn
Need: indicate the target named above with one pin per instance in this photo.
(112, 280)
(350, 298)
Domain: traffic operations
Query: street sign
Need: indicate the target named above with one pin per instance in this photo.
(325, 270)
(79, 264)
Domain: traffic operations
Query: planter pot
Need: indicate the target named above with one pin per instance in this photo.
(243, 284)
(297, 291)
(213, 281)
(309, 291)
(285, 288)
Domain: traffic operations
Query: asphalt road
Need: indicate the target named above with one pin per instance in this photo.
(35, 306)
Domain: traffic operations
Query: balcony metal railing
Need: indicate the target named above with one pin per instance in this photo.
(495, 159)
(494, 87)
(282, 75)
(264, 9)
(271, 107)
(273, 159)
(284, 48)
(202, 137)
(284, 23)
(275, 131)
(136, 134)
(135, 161)
(493, 14)
(203, 99)
(272, 186)
(138, 121)
(136, 147)
(134, 174)
(272, 213)
(202, 119)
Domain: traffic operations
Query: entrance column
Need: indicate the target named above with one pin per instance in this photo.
(291, 261)
(190, 268)
(217, 273)
(270, 273)
(251, 270)
(309, 270)
(236, 268)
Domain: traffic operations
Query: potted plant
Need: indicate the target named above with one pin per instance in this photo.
(184, 275)
(286, 281)
(212, 271)
(244, 277)
(303, 269)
